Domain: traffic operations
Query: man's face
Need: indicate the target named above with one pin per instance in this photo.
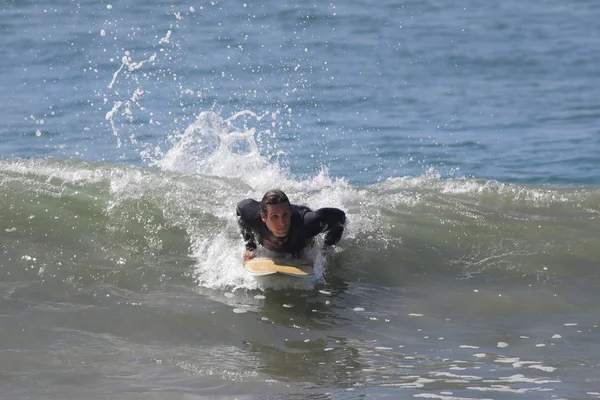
(278, 219)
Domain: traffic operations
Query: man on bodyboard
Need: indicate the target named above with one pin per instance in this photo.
(285, 228)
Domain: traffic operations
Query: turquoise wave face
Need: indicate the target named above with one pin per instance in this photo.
(70, 220)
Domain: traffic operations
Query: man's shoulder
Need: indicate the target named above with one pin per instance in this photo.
(248, 203)
(248, 209)
(300, 210)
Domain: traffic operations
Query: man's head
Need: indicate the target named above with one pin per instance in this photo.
(275, 212)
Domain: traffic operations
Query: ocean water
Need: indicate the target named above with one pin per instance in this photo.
(461, 139)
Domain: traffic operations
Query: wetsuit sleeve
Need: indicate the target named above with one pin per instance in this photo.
(245, 228)
(328, 220)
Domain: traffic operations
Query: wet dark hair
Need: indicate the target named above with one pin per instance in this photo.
(272, 197)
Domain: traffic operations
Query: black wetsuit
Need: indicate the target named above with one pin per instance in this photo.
(304, 226)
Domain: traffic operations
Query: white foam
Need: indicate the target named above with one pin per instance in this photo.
(543, 368)
(519, 378)
(218, 266)
(519, 364)
(508, 389)
(443, 396)
(417, 384)
(450, 375)
(214, 146)
(473, 187)
(507, 360)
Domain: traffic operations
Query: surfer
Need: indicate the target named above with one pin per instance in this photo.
(285, 228)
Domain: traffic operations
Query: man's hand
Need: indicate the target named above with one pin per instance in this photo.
(248, 255)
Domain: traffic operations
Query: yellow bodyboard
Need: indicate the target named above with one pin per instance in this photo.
(261, 266)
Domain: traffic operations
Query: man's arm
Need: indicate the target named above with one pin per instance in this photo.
(245, 228)
(328, 220)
